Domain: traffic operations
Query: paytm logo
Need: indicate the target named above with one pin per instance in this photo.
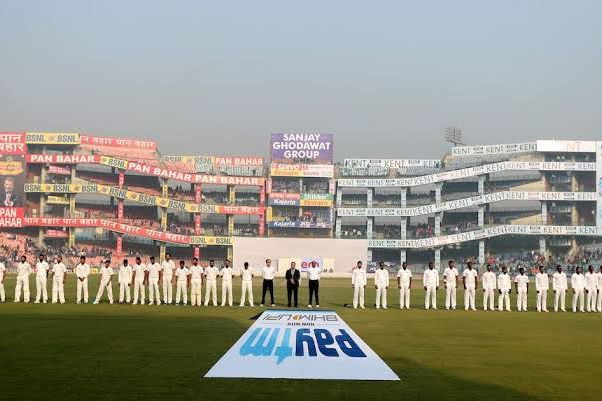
(267, 342)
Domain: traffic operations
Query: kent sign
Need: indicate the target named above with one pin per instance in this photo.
(293, 344)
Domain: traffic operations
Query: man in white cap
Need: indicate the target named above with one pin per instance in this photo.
(578, 285)
(381, 283)
(167, 270)
(182, 276)
(542, 284)
(246, 276)
(106, 282)
(450, 282)
(42, 269)
(196, 283)
(559, 285)
(2, 275)
(358, 283)
(59, 273)
(23, 272)
(504, 285)
(489, 287)
(211, 273)
(226, 274)
(125, 281)
(154, 275)
(430, 280)
(82, 271)
(140, 279)
(404, 283)
(591, 289)
(469, 277)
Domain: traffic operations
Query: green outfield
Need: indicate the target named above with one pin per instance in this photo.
(124, 352)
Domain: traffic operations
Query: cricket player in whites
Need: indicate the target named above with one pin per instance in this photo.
(59, 273)
(183, 277)
(559, 285)
(489, 287)
(246, 276)
(404, 283)
(469, 277)
(154, 275)
(82, 271)
(522, 289)
(504, 285)
(42, 268)
(430, 280)
(226, 274)
(2, 275)
(125, 281)
(578, 285)
(358, 283)
(599, 276)
(106, 282)
(542, 284)
(450, 282)
(140, 278)
(211, 273)
(196, 283)
(167, 270)
(381, 283)
(23, 272)
(591, 289)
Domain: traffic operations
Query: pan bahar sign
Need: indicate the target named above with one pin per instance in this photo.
(317, 147)
(292, 344)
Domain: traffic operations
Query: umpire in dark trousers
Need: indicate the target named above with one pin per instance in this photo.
(292, 283)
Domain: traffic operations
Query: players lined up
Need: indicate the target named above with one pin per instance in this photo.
(154, 276)
(586, 287)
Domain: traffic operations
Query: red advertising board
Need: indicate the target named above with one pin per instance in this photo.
(12, 143)
(11, 216)
(117, 142)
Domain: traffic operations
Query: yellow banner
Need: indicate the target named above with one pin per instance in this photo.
(210, 241)
(316, 202)
(57, 200)
(268, 214)
(52, 138)
(114, 162)
(11, 167)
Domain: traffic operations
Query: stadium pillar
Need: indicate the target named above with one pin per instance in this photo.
(482, 181)
(438, 187)
(404, 228)
(119, 245)
(41, 236)
(544, 213)
(230, 220)
(404, 197)
(481, 218)
(337, 231)
(482, 252)
(231, 194)
(403, 256)
(438, 219)
(370, 227)
(574, 214)
(369, 196)
(438, 259)
(162, 251)
(542, 247)
(230, 253)
(339, 196)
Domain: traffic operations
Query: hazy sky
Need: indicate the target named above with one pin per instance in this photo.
(385, 77)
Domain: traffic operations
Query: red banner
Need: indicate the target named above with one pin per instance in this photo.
(51, 233)
(117, 142)
(11, 216)
(12, 143)
(60, 170)
(224, 209)
(238, 161)
(62, 159)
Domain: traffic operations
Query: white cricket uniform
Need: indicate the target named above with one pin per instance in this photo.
(105, 283)
(139, 273)
(2, 293)
(226, 273)
(404, 276)
(58, 287)
(23, 272)
(196, 284)
(489, 287)
(430, 280)
(211, 284)
(470, 281)
(599, 306)
(82, 271)
(591, 285)
(381, 281)
(181, 284)
(168, 267)
(559, 285)
(578, 285)
(542, 284)
(153, 283)
(125, 281)
(247, 286)
(521, 281)
(450, 279)
(359, 281)
(42, 281)
(504, 285)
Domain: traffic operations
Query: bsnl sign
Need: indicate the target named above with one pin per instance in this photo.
(301, 345)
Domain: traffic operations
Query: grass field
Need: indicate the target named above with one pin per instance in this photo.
(124, 352)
